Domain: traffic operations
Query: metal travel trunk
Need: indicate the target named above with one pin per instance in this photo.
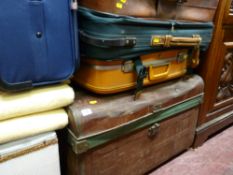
(117, 135)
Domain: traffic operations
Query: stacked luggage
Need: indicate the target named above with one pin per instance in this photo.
(38, 54)
(136, 56)
(122, 52)
(152, 47)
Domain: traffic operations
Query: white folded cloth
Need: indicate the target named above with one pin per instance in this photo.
(30, 125)
(35, 100)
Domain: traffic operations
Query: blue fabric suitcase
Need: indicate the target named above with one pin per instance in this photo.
(37, 42)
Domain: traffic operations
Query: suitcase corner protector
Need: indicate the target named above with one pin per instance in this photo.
(78, 146)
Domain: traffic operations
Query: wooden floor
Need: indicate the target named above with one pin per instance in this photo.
(215, 157)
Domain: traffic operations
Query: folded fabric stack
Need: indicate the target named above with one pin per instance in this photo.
(33, 112)
(28, 120)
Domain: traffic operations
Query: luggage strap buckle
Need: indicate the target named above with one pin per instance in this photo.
(141, 74)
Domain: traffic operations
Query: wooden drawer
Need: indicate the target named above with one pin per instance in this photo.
(228, 34)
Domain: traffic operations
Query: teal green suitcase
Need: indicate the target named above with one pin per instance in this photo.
(106, 36)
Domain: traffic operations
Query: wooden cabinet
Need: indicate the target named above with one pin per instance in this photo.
(228, 15)
(217, 71)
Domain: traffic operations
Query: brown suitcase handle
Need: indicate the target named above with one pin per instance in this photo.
(169, 41)
(176, 1)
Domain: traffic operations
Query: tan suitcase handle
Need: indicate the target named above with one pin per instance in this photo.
(171, 41)
(181, 58)
(161, 75)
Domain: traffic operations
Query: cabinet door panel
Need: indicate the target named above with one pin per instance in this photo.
(228, 34)
(225, 88)
(228, 17)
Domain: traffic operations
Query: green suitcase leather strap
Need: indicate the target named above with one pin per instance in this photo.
(82, 145)
(141, 74)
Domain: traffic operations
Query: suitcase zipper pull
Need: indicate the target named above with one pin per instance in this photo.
(74, 9)
(74, 5)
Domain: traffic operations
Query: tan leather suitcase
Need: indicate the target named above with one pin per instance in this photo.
(198, 10)
(108, 77)
(117, 135)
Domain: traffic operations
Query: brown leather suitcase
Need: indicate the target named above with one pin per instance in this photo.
(198, 10)
(117, 135)
(137, 8)
(192, 10)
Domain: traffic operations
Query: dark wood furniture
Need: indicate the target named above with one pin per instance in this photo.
(217, 71)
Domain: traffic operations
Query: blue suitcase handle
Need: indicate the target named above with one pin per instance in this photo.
(15, 86)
